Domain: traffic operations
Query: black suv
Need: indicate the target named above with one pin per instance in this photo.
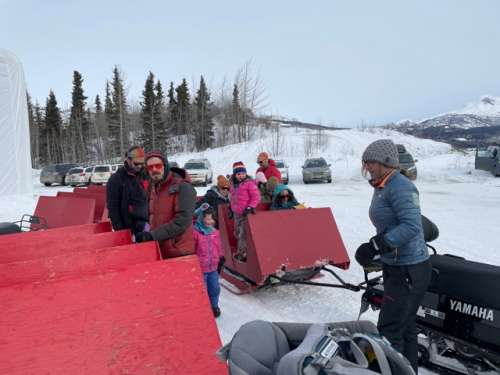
(55, 174)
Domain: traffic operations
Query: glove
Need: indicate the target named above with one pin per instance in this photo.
(379, 245)
(143, 237)
(365, 254)
(248, 210)
(222, 260)
(230, 214)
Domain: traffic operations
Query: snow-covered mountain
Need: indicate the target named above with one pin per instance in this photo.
(476, 124)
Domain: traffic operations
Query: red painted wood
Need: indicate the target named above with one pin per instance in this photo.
(286, 239)
(52, 244)
(93, 187)
(100, 200)
(147, 319)
(78, 264)
(19, 241)
(65, 211)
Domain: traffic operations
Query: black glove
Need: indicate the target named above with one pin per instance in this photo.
(365, 254)
(222, 260)
(248, 210)
(379, 245)
(230, 214)
(143, 237)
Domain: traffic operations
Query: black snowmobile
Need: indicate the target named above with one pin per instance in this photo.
(459, 318)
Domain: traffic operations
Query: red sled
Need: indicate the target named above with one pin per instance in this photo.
(282, 246)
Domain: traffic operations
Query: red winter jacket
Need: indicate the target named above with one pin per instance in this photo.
(270, 171)
(208, 248)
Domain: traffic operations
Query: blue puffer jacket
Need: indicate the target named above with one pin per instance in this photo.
(395, 211)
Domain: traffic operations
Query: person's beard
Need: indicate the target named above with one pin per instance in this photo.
(157, 177)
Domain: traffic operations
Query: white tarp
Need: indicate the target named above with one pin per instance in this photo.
(15, 160)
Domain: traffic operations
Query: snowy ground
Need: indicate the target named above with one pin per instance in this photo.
(464, 203)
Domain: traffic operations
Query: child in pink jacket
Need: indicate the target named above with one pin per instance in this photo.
(208, 248)
(245, 197)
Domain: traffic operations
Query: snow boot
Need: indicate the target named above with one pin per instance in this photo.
(216, 311)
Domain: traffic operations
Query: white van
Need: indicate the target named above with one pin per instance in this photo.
(101, 174)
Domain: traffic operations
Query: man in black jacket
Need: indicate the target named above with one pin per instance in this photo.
(125, 194)
(217, 194)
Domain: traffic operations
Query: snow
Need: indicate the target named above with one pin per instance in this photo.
(463, 203)
(488, 106)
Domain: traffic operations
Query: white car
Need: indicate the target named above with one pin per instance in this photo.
(101, 174)
(200, 171)
(75, 177)
(114, 167)
(283, 168)
(88, 174)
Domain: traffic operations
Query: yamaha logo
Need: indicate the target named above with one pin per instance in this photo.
(472, 310)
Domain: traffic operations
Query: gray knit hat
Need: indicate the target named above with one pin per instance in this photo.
(384, 151)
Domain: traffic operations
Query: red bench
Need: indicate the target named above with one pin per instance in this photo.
(77, 264)
(53, 243)
(65, 211)
(147, 319)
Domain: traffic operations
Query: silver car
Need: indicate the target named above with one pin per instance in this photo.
(283, 168)
(55, 174)
(316, 170)
(76, 176)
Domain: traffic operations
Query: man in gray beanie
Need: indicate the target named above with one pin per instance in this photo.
(400, 244)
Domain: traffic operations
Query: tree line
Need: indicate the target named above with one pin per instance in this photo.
(99, 130)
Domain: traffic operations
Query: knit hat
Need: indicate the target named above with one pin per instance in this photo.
(239, 167)
(260, 177)
(222, 182)
(383, 151)
(263, 156)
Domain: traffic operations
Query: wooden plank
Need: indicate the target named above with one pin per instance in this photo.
(75, 265)
(147, 319)
(53, 244)
(65, 211)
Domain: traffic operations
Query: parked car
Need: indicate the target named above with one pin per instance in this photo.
(55, 173)
(200, 171)
(173, 164)
(316, 170)
(114, 167)
(488, 160)
(76, 176)
(406, 163)
(283, 168)
(88, 174)
(101, 174)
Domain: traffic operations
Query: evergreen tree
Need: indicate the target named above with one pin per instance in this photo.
(40, 125)
(147, 110)
(78, 122)
(118, 127)
(53, 125)
(159, 116)
(183, 108)
(100, 129)
(236, 112)
(172, 116)
(204, 118)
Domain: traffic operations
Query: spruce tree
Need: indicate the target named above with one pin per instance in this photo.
(147, 110)
(172, 116)
(42, 138)
(159, 117)
(183, 108)
(119, 119)
(79, 122)
(53, 124)
(204, 118)
(34, 133)
(236, 112)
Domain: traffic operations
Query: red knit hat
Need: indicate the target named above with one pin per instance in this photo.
(239, 167)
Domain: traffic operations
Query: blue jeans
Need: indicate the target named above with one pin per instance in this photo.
(213, 287)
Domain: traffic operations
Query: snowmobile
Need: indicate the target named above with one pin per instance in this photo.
(27, 223)
(459, 319)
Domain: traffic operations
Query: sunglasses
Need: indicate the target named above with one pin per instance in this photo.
(137, 164)
(260, 162)
(152, 167)
(284, 195)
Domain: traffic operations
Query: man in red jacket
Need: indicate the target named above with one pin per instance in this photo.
(268, 167)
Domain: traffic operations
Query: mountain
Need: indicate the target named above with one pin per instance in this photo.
(477, 124)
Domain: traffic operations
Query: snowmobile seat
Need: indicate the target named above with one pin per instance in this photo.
(473, 282)
(8, 228)
(265, 348)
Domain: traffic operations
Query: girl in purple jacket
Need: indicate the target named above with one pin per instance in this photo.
(208, 248)
(245, 197)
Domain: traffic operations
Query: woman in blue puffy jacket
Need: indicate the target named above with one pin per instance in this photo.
(395, 213)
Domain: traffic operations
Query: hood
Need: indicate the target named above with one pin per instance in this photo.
(280, 188)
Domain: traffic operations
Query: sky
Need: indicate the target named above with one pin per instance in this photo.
(333, 62)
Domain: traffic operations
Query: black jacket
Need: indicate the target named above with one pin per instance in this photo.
(127, 201)
(213, 198)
